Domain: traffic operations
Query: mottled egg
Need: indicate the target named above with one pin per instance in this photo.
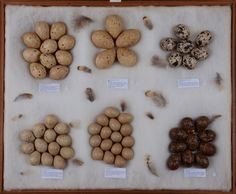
(181, 31)
(185, 46)
(200, 53)
(189, 62)
(168, 44)
(203, 38)
(175, 59)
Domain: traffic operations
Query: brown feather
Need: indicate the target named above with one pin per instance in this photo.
(84, 69)
(23, 96)
(214, 117)
(158, 99)
(15, 118)
(150, 115)
(219, 81)
(123, 106)
(82, 21)
(157, 62)
(147, 22)
(90, 94)
(77, 162)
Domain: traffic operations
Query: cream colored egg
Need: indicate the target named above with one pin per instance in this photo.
(27, 148)
(31, 40)
(106, 144)
(112, 112)
(66, 42)
(50, 135)
(59, 72)
(128, 141)
(114, 25)
(102, 39)
(105, 59)
(127, 153)
(48, 46)
(50, 121)
(105, 132)
(64, 140)
(31, 55)
(114, 124)
(53, 148)
(125, 118)
(58, 29)
(59, 162)
(38, 130)
(64, 57)
(47, 159)
(108, 157)
(48, 60)
(102, 119)
(116, 137)
(42, 29)
(126, 129)
(116, 148)
(62, 128)
(41, 145)
(120, 162)
(34, 158)
(95, 140)
(94, 128)
(97, 153)
(27, 136)
(67, 152)
(37, 70)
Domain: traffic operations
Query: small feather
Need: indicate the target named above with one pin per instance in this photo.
(123, 106)
(150, 115)
(151, 167)
(23, 96)
(77, 162)
(82, 21)
(158, 99)
(219, 81)
(15, 118)
(147, 22)
(214, 117)
(90, 94)
(74, 124)
(156, 61)
(84, 69)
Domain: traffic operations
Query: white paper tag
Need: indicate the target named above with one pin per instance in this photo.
(116, 173)
(49, 88)
(118, 83)
(194, 173)
(189, 83)
(115, 1)
(51, 173)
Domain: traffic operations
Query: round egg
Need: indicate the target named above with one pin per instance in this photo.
(185, 47)
(59, 162)
(97, 153)
(64, 140)
(168, 44)
(62, 128)
(34, 158)
(116, 137)
(120, 161)
(102, 120)
(94, 128)
(126, 129)
(189, 62)
(38, 130)
(48, 60)
(47, 159)
(200, 53)
(50, 135)
(128, 141)
(50, 121)
(108, 157)
(66, 42)
(112, 112)
(127, 153)
(125, 118)
(181, 31)
(114, 124)
(53, 148)
(106, 144)
(203, 38)
(27, 136)
(105, 132)
(41, 145)
(67, 152)
(27, 148)
(48, 46)
(95, 140)
(116, 148)
(175, 59)
(58, 29)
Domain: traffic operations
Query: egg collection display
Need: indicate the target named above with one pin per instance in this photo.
(48, 143)
(116, 42)
(191, 143)
(48, 50)
(111, 137)
(185, 52)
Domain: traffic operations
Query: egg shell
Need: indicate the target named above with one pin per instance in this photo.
(94, 128)
(41, 145)
(62, 128)
(31, 55)
(67, 152)
(53, 148)
(128, 141)
(34, 158)
(125, 118)
(58, 29)
(48, 60)
(42, 29)
(66, 42)
(116, 137)
(116, 148)
(64, 140)
(64, 57)
(120, 161)
(114, 25)
(126, 57)
(97, 153)
(39, 129)
(106, 144)
(27, 148)
(31, 40)
(105, 59)
(37, 70)
(126, 129)
(128, 38)
(127, 153)
(112, 112)
(168, 44)
(102, 39)
(46, 159)
(102, 119)
(182, 31)
(203, 38)
(59, 72)
(108, 157)
(50, 135)
(50, 121)
(95, 140)
(105, 132)
(175, 59)
(27, 136)
(59, 162)
(114, 124)
(48, 46)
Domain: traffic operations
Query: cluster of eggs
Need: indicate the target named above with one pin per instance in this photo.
(184, 52)
(48, 52)
(111, 138)
(191, 143)
(48, 143)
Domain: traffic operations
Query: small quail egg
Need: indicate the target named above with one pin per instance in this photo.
(189, 62)
(203, 38)
(175, 59)
(168, 44)
(181, 31)
(185, 46)
(200, 53)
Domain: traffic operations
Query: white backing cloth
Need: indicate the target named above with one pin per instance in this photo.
(151, 135)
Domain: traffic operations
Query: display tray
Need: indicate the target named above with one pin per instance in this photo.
(70, 104)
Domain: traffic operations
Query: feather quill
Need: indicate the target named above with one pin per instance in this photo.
(158, 99)
(90, 94)
(151, 167)
(150, 115)
(77, 162)
(15, 118)
(23, 96)
(84, 69)
(82, 21)
(123, 106)
(157, 62)
(214, 117)
(147, 22)
(219, 81)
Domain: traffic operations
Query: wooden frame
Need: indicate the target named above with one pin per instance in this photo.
(231, 3)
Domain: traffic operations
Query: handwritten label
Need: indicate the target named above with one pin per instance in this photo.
(49, 88)
(188, 83)
(194, 173)
(118, 83)
(115, 1)
(51, 173)
(116, 173)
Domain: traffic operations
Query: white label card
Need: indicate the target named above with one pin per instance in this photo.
(118, 83)
(116, 173)
(189, 83)
(194, 173)
(51, 173)
(49, 88)
(115, 1)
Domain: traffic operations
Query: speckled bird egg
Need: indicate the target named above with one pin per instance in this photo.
(181, 31)
(200, 53)
(185, 47)
(168, 44)
(189, 62)
(203, 38)
(175, 59)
